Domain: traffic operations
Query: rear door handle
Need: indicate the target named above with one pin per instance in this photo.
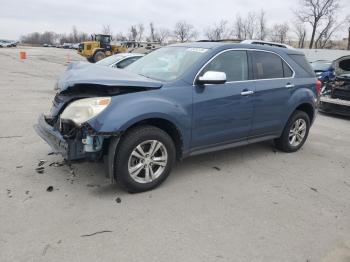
(290, 85)
(247, 92)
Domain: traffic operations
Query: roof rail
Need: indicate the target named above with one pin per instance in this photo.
(261, 42)
(222, 40)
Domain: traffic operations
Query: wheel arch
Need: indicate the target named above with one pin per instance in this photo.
(308, 109)
(164, 124)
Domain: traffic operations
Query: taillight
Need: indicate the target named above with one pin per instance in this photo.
(318, 87)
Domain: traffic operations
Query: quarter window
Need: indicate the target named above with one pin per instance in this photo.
(268, 66)
(233, 63)
(287, 72)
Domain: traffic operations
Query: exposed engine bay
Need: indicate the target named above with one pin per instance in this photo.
(335, 96)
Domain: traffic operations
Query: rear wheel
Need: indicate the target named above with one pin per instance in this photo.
(295, 132)
(99, 55)
(144, 159)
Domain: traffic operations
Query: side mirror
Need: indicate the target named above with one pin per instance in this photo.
(212, 77)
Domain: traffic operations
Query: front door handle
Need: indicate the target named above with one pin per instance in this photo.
(289, 85)
(247, 92)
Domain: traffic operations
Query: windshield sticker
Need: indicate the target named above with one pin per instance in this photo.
(198, 50)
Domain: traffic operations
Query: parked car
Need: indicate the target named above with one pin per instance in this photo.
(323, 69)
(179, 101)
(5, 44)
(67, 45)
(335, 96)
(121, 60)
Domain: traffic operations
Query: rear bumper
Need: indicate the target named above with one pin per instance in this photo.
(334, 106)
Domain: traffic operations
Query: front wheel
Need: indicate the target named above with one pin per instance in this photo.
(99, 55)
(295, 132)
(144, 159)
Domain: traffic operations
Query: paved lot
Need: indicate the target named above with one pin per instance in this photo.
(244, 204)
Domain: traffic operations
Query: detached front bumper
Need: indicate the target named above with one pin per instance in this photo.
(70, 149)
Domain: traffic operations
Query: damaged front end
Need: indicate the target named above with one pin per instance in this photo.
(83, 92)
(66, 128)
(72, 142)
(335, 96)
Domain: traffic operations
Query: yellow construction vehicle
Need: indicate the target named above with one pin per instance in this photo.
(99, 47)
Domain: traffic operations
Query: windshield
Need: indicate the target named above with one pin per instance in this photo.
(321, 66)
(167, 63)
(109, 60)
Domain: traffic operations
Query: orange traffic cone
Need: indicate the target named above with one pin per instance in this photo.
(22, 55)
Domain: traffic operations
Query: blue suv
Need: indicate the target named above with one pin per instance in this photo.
(179, 101)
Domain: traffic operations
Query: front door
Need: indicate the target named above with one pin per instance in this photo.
(222, 113)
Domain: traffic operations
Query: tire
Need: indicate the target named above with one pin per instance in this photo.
(99, 55)
(292, 129)
(143, 162)
(90, 59)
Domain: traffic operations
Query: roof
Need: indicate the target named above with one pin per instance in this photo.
(222, 45)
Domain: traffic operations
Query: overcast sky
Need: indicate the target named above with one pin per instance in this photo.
(25, 16)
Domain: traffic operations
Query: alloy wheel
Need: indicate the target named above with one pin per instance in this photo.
(297, 132)
(147, 161)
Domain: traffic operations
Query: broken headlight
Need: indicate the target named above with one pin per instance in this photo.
(83, 110)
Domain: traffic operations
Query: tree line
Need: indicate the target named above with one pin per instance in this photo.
(314, 25)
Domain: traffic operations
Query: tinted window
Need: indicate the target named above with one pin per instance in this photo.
(126, 62)
(267, 65)
(287, 71)
(233, 63)
(301, 61)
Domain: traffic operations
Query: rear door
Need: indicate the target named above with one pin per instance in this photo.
(273, 87)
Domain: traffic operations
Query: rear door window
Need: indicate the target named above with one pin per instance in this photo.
(267, 65)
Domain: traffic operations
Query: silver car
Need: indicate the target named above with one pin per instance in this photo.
(121, 60)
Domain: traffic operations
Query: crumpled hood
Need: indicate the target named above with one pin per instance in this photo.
(342, 65)
(83, 73)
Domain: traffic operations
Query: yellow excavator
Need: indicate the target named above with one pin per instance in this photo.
(99, 47)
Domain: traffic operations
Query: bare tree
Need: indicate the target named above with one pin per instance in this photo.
(132, 33)
(314, 12)
(75, 34)
(249, 26)
(262, 33)
(184, 32)
(161, 35)
(331, 26)
(106, 30)
(140, 31)
(152, 32)
(279, 33)
(238, 28)
(300, 31)
(219, 31)
(120, 37)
